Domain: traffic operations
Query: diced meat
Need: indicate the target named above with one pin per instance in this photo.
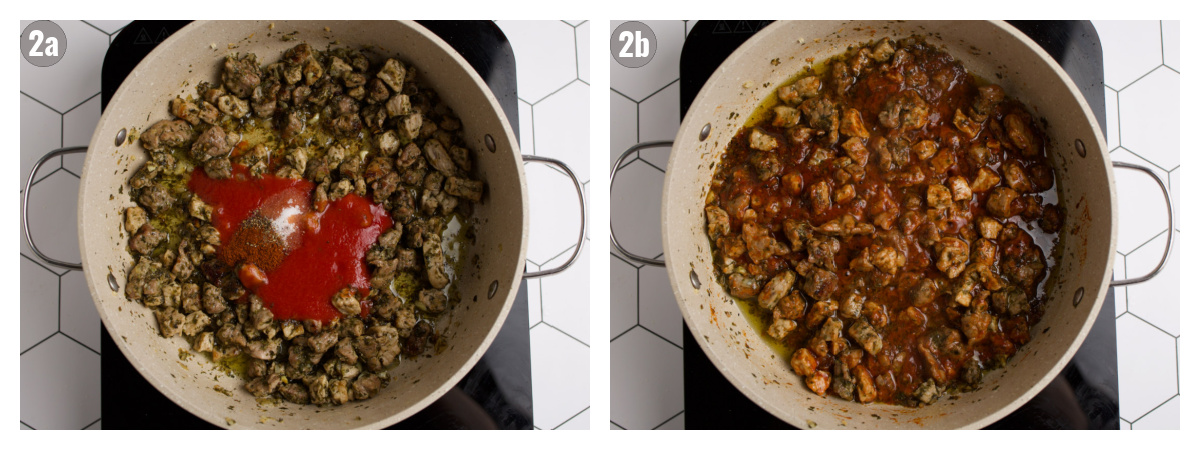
(804, 362)
(822, 250)
(821, 284)
(822, 114)
(392, 74)
(775, 289)
(966, 125)
(435, 262)
(866, 386)
(1052, 219)
(818, 196)
(762, 141)
(905, 111)
(851, 305)
(959, 189)
(742, 286)
(1018, 132)
(166, 133)
(818, 382)
(989, 96)
(170, 322)
(785, 116)
(780, 328)
(790, 307)
(759, 244)
(927, 392)
(985, 180)
(718, 222)
(146, 239)
(939, 197)
(213, 142)
(952, 256)
(1015, 177)
(866, 336)
(803, 88)
(883, 51)
(346, 303)
(1004, 203)
(856, 150)
(924, 292)
(1010, 301)
(767, 165)
(797, 233)
(888, 259)
(439, 159)
(942, 161)
(852, 124)
(431, 301)
(241, 75)
(925, 149)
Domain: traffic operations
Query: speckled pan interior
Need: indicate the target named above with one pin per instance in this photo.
(1075, 287)
(195, 54)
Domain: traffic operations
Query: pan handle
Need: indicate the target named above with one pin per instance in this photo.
(1170, 224)
(25, 207)
(582, 215)
(612, 235)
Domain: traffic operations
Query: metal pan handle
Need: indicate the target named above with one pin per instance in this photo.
(1170, 224)
(25, 207)
(582, 215)
(612, 235)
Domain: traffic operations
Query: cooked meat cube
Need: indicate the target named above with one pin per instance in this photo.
(818, 195)
(170, 322)
(1004, 203)
(821, 284)
(439, 159)
(843, 386)
(866, 386)
(790, 307)
(785, 116)
(762, 141)
(1014, 176)
(925, 149)
(804, 362)
(822, 250)
(780, 328)
(146, 239)
(190, 297)
(398, 105)
(959, 188)
(431, 301)
(924, 292)
(1017, 126)
(321, 342)
(797, 233)
(233, 106)
(435, 262)
(936, 347)
(966, 125)
(844, 194)
(905, 111)
(803, 88)
(952, 256)
(767, 164)
(856, 150)
(842, 79)
(759, 243)
(866, 336)
(264, 386)
(975, 326)
(241, 75)
(346, 302)
(775, 289)
(186, 110)
(1052, 219)
(213, 142)
(883, 154)
(211, 301)
(1010, 301)
(851, 305)
(393, 74)
(264, 99)
(983, 252)
(718, 222)
(883, 51)
(942, 161)
(194, 323)
(852, 124)
(927, 392)
(985, 180)
(888, 259)
(166, 133)
(939, 197)
(295, 393)
(743, 286)
(818, 382)
(340, 189)
(366, 386)
(986, 101)
(822, 114)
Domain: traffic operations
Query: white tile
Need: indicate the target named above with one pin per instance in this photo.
(646, 379)
(560, 376)
(561, 128)
(1146, 369)
(545, 51)
(1131, 48)
(61, 85)
(95, 426)
(636, 207)
(1170, 41)
(583, 51)
(1156, 300)
(79, 317)
(579, 422)
(525, 117)
(1174, 178)
(553, 213)
(1125, 425)
(622, 125)
(675, 423)
(41, 132)
(613, 426)
(1150, 117)
(109, 26)
(1112, 120)
(78, 125)
(535, 296)
(657, 309)
(575, 23)
(622, 295)
(565, 300)
(1141, 211)
(1165, 417)
(60, 385)
(25, 427)
(52, 216)
(658, 120)
(39, 303)
(663, 68)
(1120, 294)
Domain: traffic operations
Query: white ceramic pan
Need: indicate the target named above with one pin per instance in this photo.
(194, 54)
(1076, 286)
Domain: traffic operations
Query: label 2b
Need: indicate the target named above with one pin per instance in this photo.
(633, 44)
(43, 43)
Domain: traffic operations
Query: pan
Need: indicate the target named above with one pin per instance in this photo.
(1076, 285)
(194, 54)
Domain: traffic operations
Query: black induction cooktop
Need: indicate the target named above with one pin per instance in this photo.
(1082, 396)
(496, 393)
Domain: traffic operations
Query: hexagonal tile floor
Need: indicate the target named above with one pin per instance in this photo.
(60, 329)
(1141, 62)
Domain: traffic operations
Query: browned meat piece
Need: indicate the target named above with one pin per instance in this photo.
(819, 312)
(785, 116)
(146, 239)
(166, 133)
(218, 168)
(866, 336)
(439, 159)
(264, 385)
(1052, 219)
(985, 180)
(856, 150)
(767, 164)
(170, 322)
(435, 262)
(966, 125)
(803, 88)
(975, 326)
(852, 124)
(393, 73)
(1009, 301)
(1042, 177)
(818, 382)
(804, 362)
(983, 252)
(718, 222)
(186, 110)
(344, 351)
(776, 289)
(866, 387)
(822, 114)
(925, 149)
(190, 298)
(762, 141)
(233, 106)
(1015, 177)
(883, 51)
(295, 393)
(924, 292)
(431, 301)
(790, 307)
(1017, 126)
(821, 284)
(842, 79)
(346, 126)
(952, 256)
(851, 305)
(265, 98)
(346, 302)
(942, 161)
(213, 142)
(241, 75)
(888, 259)
(844, 194)
(939, 197)
(905, 111)
(986, 101)
(843, 386)
(1026, 268)
(959, 188)
(1004, 203)
(818, 196)
(194, 323)
(366, 386)
(797, 233)
(742, 286)
(822, 250)
(936, 346)
(211, 301)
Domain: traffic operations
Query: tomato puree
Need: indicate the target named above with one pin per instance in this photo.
(305, 256)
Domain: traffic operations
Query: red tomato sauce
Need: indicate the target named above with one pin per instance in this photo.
(306, 255)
